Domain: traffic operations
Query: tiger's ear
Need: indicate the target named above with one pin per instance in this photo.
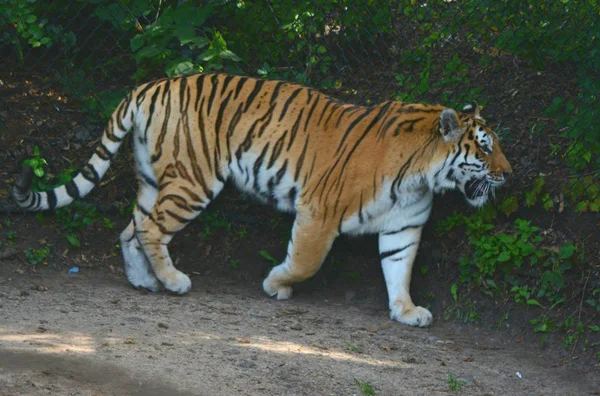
(449, 127)
(473, 110)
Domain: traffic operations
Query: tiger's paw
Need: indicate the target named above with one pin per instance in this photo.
(147, 282)
(178, 282)
(282, 292)
(140, 278)
(417, 316)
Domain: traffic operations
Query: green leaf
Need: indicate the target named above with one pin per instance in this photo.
(30, 18)
(179, 68)
(594, 328)
(185, 34)
(504, 256)
(491, 283)
(533, 302)
(454, 291)
(566, 251)
(267, 255)
(227, 54)
(73, 240)
(137, 42)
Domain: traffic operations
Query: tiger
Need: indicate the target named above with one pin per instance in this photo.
(340, 168)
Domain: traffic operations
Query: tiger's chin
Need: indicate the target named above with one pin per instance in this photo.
(477, 191)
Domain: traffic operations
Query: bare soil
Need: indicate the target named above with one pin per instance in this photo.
(91, 334)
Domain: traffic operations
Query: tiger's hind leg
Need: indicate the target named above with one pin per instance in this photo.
(137, 268)
(310, 242)
(176, 206)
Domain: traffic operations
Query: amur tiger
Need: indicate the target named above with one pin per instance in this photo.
(341, 168)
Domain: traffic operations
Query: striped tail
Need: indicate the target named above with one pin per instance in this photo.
(120, 123)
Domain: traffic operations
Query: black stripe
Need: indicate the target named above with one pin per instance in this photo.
(151, 113)
(289, 101)
(301, 159)
(257, 165)
(276, 91)
(182, 85)
(410, 125)
(329, 102)
(161, 137)
(164, 95)
(402, 229)
(277, 148)
(351, 108)
(90, 174)
(103, 152)
(143, 210)
(240, 85)
(352, 125)
(295, 129)
(368, 129)
(425, 209)
(253, 94)
(219, 120)
(148, 180)
(225, 84)
(176, 216)
(213, 92)
(384, 255)
(51, 198)
(72, 189)
(34, 200)
(199, 83)
(292, 195)
(142, 94)
(310, 112)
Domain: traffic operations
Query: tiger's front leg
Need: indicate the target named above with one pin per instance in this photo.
(397, 250)
(310, 242)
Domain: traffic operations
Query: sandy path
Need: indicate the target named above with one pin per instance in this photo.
(91, 334)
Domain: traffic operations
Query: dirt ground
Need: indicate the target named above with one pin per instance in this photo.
(90, 333)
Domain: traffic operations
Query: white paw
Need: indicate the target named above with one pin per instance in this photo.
(283, 292)
(417, 316)
(138, 272)
(146, 281)
(178, 282)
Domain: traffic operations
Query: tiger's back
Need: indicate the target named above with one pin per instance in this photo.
(342, 168)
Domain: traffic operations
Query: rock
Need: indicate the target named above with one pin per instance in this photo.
(162, 325)
(350, 294)
(246, 364)
(82, 134)
(296, 326)
(7, 252)
(469, 379)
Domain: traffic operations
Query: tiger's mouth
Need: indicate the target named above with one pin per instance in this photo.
(476, 189)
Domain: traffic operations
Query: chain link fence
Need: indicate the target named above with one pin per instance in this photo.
(533, 65)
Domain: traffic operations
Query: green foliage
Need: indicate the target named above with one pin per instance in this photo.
(266, 255)
(365, 387)
(454, 384)
(179, 42)
(37, 256)
(23, 17)
(528, 269)
(579, 119)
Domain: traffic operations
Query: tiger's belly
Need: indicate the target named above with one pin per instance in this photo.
(412, 207)
(272, 184)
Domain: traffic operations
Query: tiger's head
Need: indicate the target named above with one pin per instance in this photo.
(474, 163)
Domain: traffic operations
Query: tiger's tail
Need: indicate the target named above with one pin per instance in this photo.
(120, 123)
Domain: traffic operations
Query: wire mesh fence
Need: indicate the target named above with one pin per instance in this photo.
(533, 65)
